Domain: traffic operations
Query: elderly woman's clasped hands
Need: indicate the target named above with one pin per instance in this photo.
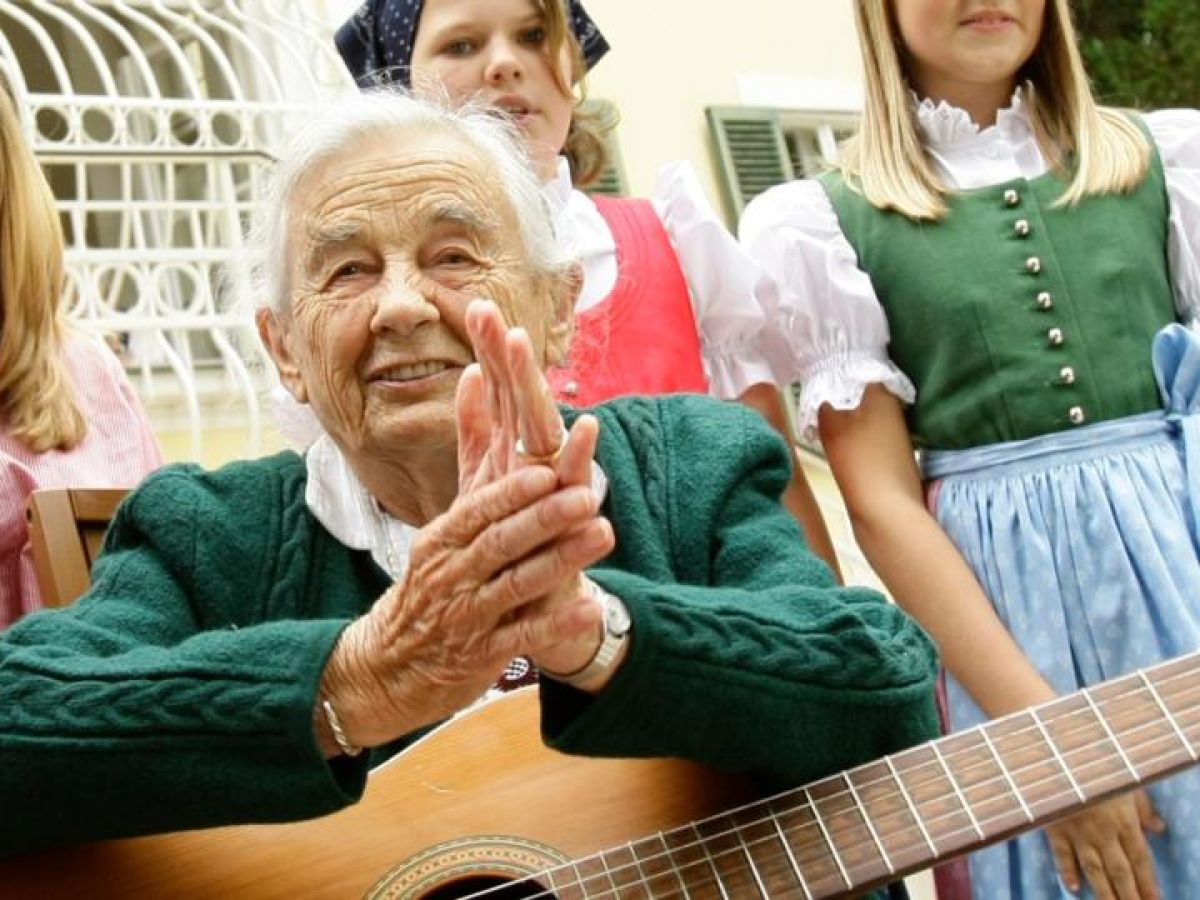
(499, 574)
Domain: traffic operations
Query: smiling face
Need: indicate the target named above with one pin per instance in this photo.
(967, 50)
(499, 51)
(388, 244)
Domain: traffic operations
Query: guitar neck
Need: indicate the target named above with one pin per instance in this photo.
(872, 825)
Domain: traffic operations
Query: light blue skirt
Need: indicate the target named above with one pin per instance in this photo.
(1087, 543)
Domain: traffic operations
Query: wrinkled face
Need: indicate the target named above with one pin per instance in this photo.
(496, 50)
(954, 44)
(388, 244)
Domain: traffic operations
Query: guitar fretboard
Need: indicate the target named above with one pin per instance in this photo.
(868, 826)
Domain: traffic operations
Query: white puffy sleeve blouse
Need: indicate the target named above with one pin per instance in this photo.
(831, 333)
(732, 299)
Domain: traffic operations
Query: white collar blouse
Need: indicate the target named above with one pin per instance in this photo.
(732, 299)
(347, 510)
(831, 332)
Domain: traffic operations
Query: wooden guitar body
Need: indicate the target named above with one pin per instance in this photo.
(481, 796)
(480, 804)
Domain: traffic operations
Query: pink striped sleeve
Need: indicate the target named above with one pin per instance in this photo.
(18, 585)
(118, 451)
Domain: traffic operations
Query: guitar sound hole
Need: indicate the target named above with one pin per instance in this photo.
(492, 888)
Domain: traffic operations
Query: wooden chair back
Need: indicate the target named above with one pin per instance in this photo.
(66, 529)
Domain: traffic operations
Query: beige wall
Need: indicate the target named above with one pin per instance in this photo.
(672, 58)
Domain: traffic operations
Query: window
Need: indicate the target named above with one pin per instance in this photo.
(760, 147)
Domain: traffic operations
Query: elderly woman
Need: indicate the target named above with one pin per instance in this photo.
(258, 636)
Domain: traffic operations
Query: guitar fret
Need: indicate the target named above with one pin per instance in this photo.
(1033, 713)
(1004, 769)
(867, 820)
(564, 884)
(911, 807)
(637, 863)
(762, 888)
(757, 828)
(1167, 714)
(616, 891)
(727, 846)
(702, 843)
(808, 845)
(943, 813)
(957, 790)
(828, 840)
(630, 878)
(593, 880)
(687, 861)
(791, 857)
(1112, 737)
(670, 858)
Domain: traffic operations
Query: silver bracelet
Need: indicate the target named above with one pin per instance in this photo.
(339, 733)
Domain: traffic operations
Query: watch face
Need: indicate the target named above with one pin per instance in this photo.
(616, 616)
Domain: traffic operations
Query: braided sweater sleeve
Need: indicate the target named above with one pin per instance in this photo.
(179, 692)
(745, 654)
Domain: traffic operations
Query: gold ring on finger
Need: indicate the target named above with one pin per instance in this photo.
(535, 459)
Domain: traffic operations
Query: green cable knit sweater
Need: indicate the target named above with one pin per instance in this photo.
(179, 692)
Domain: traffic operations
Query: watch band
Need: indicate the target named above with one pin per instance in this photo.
(616, 634)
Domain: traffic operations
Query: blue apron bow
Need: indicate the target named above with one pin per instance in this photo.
(1176, 356)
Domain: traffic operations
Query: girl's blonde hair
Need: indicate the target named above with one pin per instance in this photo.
(37, 397)
(586, 147)
(1107, 151)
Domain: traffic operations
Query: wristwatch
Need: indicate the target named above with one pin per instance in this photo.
(616, 633)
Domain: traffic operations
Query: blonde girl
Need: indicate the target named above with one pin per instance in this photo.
(67, 413)
(993, 276)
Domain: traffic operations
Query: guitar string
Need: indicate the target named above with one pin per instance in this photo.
(675, 871)
(824, 846)
(734, 832)
(743, 847)
(975, 753)
(904, 812)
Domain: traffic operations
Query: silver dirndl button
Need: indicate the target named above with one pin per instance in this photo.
(1055, 337)
(1011, 197)
(1066, 375)
(1076, 415)
(1021, 227)
(1045, 300)
(1033, 265)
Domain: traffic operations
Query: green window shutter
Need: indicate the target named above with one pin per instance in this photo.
(751, 152)
(796, 159)
(612, 181)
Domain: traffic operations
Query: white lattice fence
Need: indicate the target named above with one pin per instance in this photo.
(155, 121)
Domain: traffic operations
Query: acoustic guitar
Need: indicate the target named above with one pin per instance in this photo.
(480, 808)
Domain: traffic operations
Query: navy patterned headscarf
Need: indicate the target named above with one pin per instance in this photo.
(376, 43)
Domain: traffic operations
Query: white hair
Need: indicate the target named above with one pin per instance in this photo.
(345, 124)
(348, 122)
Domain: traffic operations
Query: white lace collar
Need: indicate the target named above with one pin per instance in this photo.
(348, 511)
(947, 127)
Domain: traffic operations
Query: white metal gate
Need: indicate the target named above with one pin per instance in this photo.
(154, 121)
